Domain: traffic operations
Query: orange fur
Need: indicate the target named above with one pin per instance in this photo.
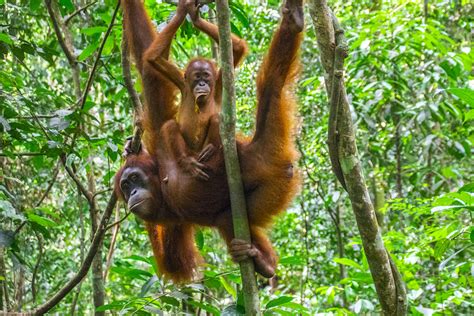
(267, 161)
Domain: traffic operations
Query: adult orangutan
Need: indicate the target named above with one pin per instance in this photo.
(171, 199)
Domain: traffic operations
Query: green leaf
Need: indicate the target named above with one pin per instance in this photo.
(169, 300)
(117, 305)
(279, 301)
(296, 260)
(89, 50)
(132, 273)
(447, 207)
(240, 14)
(235, 29)
(35, 4)
(42, 221)
(67, 4)
(469, 115)
(6, 38)
(138, 258)
(467, 188)
(466, 95)
(451, 70)
(199, 237)
(49, 211)
(93, 30)
(348, 262)
(228, 287)
(147, 286)
(109, 45)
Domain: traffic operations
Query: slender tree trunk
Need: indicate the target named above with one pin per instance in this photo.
(234, 179)
(97, 267)
(343, 149)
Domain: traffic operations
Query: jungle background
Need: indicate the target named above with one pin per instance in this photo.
(409, 81)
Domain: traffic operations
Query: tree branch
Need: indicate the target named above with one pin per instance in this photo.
(99, 54)
(84, 268)
(346, 163)
(234, 177)
(87, 194)
(63, 40)
(50, 185)
(134, 97)
(69, 17)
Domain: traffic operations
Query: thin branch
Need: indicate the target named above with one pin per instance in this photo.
(36, 268)
(113, 240)
(97, 60)
(90, 79)
(22, 154)
(119, 221)
(50, 185)
(127, 76)
(69, 17)
(101, 192)
(85, 266)
(57, 25)
(37, 116)
(134, 97)
(87, 194)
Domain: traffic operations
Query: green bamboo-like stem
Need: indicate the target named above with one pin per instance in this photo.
(234, 179)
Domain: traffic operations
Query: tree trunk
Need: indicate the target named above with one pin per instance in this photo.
(234, 179)
(97, 267)
(388, 283)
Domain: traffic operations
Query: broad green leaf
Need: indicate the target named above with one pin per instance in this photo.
(348, 262)
(116, 305)
(138, 258)
(229, 288)
(5, 38)
(199, 238)
(296, 260)
(147, 286)
(43, 221)
(34, 5)
(279, 301)
(109, 45)
(466, 95)
(469, 115)
(93, 30)
(67, 4)
(89, 50)
(132, 273)
(447, 207)
(169, 300)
